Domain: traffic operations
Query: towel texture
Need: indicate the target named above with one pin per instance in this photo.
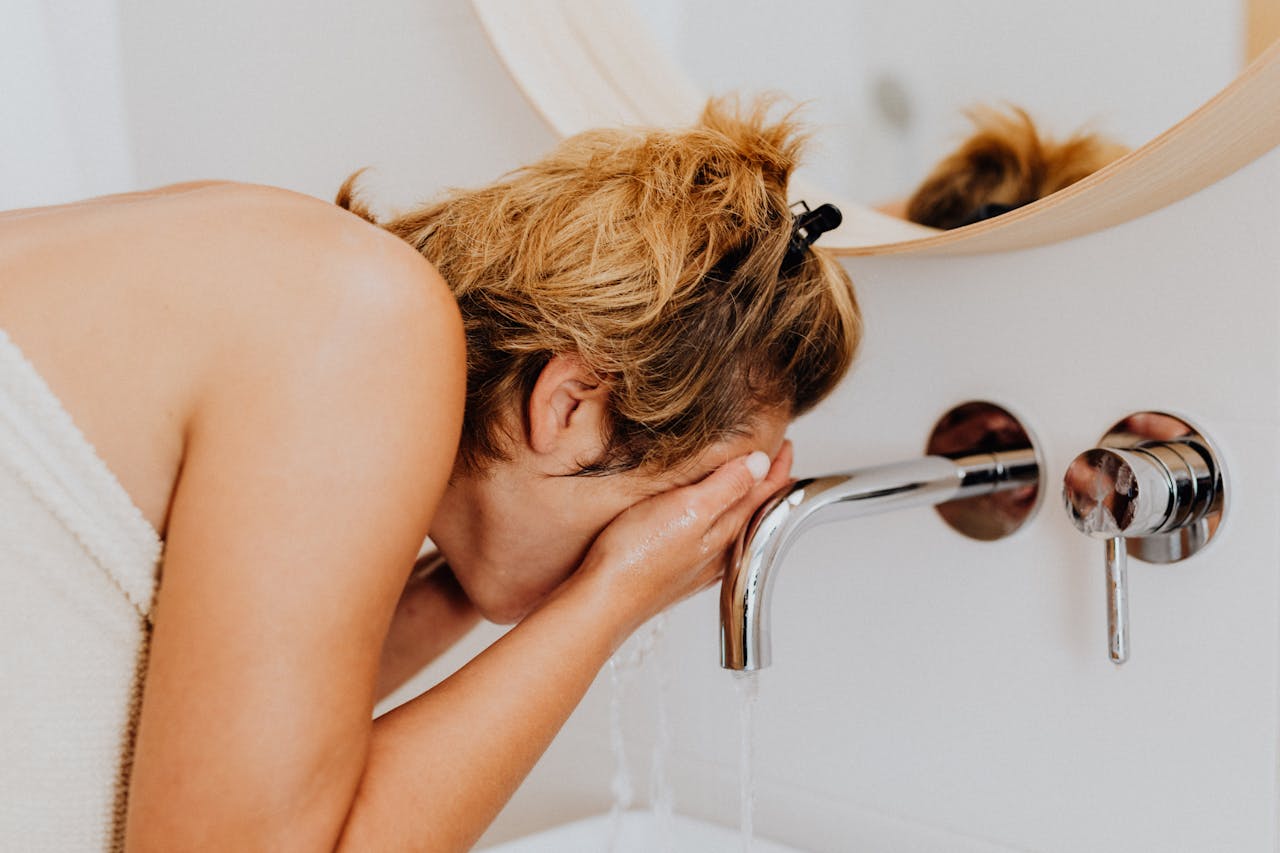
(79, 565)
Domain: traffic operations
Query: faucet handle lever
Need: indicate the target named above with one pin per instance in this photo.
(1116, 564)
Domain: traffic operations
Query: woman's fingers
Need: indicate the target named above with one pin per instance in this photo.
(733, 519)
(727, 485)
(780, 471)
(779, 475)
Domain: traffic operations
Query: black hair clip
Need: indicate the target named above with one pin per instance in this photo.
(808, 226)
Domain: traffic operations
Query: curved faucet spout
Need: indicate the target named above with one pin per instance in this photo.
(744, 595)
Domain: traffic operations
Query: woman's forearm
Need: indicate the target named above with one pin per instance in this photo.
(441, 767)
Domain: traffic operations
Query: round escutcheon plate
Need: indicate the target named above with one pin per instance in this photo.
(982, 427)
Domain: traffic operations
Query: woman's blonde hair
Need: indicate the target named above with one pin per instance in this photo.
(654, 256)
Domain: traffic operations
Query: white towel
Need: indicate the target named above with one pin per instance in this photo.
(79, 564)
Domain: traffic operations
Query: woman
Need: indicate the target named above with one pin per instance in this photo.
(572, 380)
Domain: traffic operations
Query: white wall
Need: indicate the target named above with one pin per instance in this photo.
(62, 123)
(929, 693)
(301, 94)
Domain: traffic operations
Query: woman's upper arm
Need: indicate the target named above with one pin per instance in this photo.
(315, 458)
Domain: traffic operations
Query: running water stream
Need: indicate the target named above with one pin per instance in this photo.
(623, 668)
(619, 674)
(661, 795)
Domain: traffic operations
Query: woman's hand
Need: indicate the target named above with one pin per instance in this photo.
(672, 545)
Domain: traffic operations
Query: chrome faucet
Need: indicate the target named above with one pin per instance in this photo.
(1003, 460)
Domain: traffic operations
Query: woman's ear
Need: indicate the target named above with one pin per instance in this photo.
(568, 414)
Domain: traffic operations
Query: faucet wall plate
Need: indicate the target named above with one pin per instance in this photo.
(981, 427)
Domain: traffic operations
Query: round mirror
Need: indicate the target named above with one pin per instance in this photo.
(886, 83)
(885, 86)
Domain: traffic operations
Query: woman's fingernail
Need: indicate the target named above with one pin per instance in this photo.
(758, 464)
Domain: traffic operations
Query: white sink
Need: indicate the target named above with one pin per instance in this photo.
(640, 833)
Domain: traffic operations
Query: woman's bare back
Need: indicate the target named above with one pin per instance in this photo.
(119, 302)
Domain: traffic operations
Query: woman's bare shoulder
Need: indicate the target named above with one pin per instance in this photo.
(226, 265)
(318, 232)
(288, 269)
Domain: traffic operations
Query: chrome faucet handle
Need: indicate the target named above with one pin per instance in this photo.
(1115, 562)
(1153, 488)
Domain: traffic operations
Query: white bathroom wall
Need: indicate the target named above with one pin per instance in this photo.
(301, 94)
(929, 693)
(63, 130)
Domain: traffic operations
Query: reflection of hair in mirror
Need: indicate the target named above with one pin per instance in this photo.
(1003, 165)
